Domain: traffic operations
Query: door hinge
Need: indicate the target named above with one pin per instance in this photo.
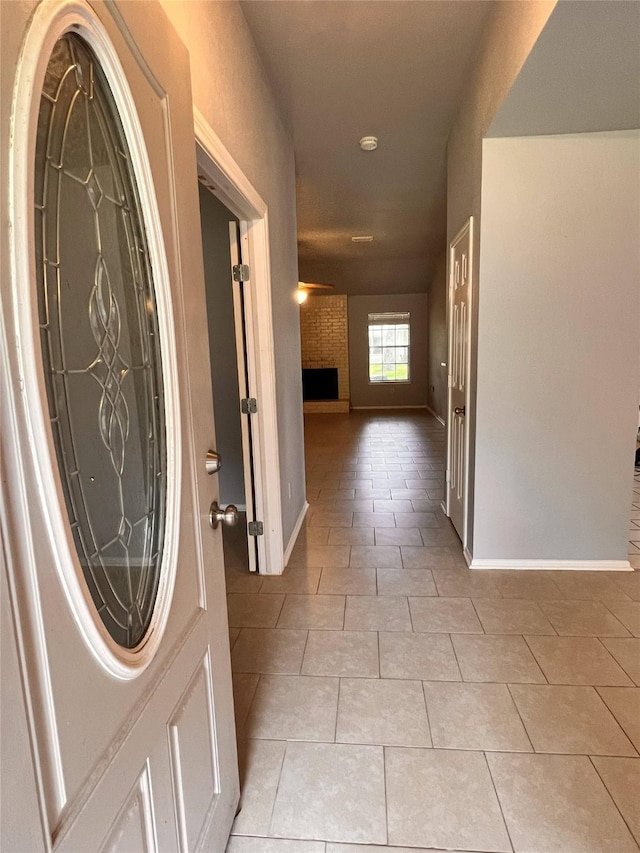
(249, 406)
(241, 272)
(256, 528)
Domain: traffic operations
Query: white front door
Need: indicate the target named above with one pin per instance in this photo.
(459, 364)
(116, 579)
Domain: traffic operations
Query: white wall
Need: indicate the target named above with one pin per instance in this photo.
(558, 347)
(230, 88)
(216, 254)
(366, 394)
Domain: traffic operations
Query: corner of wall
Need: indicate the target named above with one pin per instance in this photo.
(510, 34)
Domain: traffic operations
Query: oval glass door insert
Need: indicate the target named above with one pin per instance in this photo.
(100, 341)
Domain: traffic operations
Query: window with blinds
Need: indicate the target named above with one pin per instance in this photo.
(389, 343)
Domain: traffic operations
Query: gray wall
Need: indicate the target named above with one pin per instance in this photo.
(438, 355)
(230, 89)
(364, 394)
(558, 348)
(511, 32)
(215, 220)
(581, 76)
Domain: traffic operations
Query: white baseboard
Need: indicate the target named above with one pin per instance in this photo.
(554, 565)
(467, 556)
(374, 408)
(294, 534)
(435, 415)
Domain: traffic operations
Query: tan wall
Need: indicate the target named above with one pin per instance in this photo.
(324, 338)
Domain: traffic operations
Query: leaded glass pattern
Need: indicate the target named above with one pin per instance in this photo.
(100, 340)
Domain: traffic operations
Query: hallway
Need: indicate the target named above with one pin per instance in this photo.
(385, 695)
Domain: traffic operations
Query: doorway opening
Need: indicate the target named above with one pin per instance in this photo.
(253, 362)
(227, 349)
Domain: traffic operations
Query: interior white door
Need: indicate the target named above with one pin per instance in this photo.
(117, 578)
(460, 292)
(247, 417)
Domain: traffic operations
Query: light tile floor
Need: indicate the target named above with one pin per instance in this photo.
(389, 699)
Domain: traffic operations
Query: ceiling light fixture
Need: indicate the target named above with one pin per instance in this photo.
(307, 287)
(366, 238)
(369, 143)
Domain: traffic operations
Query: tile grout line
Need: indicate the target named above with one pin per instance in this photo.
(524, 725)
(452, 749)
(612, 712)
(622, 625)
(426, 708)
(611, 797)
(304, 651)
(275, 798)
(478, 617)
(386, 796)
(439, 680)
(495, 789)
(455, 654)
(538, 662)
(615, 659)
(235, 640)
(250, 706)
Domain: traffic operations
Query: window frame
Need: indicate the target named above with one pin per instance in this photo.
(394, 319)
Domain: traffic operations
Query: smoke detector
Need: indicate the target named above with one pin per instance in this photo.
(369, 143)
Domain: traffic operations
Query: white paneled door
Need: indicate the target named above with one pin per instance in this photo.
(460, 272)
(115, 575)
(249, 419)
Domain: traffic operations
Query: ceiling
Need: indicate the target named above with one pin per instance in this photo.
(344, 69)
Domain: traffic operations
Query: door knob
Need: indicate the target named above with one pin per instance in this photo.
(218, 515)
(212, 462)
(460, 410)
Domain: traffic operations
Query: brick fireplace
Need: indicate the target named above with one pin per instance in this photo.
(325, 344)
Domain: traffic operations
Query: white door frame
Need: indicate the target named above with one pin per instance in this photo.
(468, 226)
(242, 309)
(231, 186)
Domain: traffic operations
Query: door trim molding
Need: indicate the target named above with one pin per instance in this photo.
(468, 226)
(236, 192)
(553, 565)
